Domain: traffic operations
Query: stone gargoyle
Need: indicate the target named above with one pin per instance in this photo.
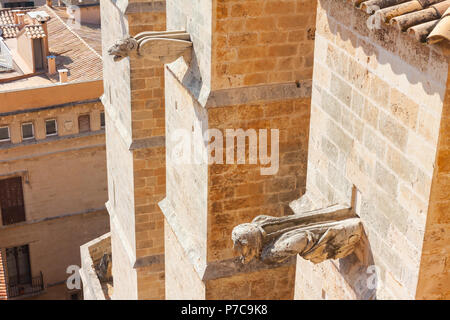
(329, 233)
(163, 47)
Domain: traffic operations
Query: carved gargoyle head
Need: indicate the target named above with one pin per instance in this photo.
(122, 48)
(247, 240)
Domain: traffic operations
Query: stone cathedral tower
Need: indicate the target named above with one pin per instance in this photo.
(357, 207)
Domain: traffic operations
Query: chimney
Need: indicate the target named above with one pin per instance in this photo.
(43, 22)
(15, 12)
(51, 62)
(20, 17)
(63, 75)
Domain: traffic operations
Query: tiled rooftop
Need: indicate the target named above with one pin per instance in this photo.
(6, 17)
(9, 31)
(71, 50)
(427, 20)
(88, 32)
(34, 31)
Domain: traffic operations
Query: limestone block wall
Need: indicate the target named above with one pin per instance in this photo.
(149, 189)
(251, 69)
(116, 76)
(196, 17)
(186, 195)
(259, 42)
(434, 273)
(376, 110)
(271, 284)
(239, 192)
(99, 247)
(204, 202)
(134, 103)
(187, 181)
(182, 281)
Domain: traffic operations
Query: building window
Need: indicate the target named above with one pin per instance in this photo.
(84, 123)
(18, 269)
(51, 128)
(4, 134)
(18, 266)
(12, 207)
(27, 131)
(102, 119)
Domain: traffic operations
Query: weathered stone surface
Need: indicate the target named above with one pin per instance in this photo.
(385, 144)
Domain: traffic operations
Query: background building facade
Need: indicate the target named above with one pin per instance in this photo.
(52, 157)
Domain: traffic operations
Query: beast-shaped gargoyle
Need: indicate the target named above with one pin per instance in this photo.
(163, 47)
(122, 48)
(329, 233)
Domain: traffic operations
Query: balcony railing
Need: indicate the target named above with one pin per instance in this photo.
(36, 285)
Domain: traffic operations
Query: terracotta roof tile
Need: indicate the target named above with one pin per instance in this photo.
(7, 26)
(6, 17)
(442, 29)
(34, 31)
(10, 31)
(427, 20)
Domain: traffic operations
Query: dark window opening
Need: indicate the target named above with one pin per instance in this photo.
(50, 127)
(12, 207)
(38, 54)
(4, 134)
(27, 131)
(102, 119)
(18, 265)
(84, 123)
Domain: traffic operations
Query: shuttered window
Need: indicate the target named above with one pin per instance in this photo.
(12, 207)
(84, 123)
(18, 265)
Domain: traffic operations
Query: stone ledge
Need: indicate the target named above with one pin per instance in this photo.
(153, 142)
(240, 95)
(148, 261)
(269, 92)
